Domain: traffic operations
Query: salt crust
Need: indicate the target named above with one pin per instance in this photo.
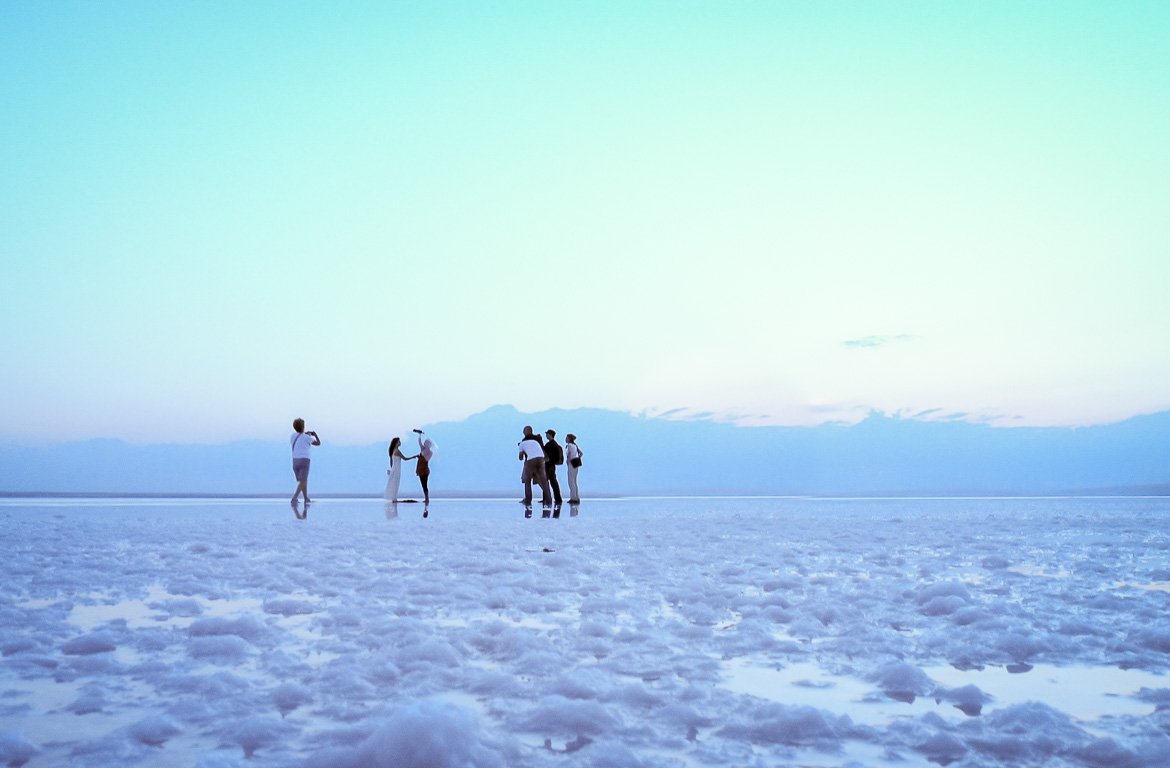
(249, 638)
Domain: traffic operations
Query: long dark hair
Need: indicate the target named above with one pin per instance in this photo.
(394, 444)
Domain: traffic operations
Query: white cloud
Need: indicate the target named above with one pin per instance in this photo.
(870, 342)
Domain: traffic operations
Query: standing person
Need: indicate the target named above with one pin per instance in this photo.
(301, 443)
(573, 453)
(553, 455)
(394, 472)
(532, 454)
(426, 452)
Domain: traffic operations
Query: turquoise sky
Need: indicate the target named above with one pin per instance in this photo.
(217, 216)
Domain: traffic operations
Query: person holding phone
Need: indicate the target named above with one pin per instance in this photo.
(426, 452)
(301, 442)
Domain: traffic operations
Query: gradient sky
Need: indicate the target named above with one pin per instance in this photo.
(216, 216)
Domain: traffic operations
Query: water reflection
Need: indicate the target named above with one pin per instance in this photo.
(1086, 693)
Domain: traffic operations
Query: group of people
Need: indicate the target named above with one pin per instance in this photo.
(541, 458)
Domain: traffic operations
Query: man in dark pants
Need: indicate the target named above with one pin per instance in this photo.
(553, 455)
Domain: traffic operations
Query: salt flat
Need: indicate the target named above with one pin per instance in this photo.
(645, 632)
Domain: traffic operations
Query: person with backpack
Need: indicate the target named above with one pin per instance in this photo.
(553, 456)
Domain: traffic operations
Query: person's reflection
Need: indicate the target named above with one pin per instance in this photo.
(574, 509)
(300, 514)
(391, 510)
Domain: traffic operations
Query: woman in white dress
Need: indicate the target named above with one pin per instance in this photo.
(394, 472)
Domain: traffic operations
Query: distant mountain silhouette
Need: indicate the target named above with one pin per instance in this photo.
(629, 454)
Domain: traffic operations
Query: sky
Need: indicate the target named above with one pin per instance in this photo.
(217, 216)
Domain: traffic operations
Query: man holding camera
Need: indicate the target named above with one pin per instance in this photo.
(301, 442)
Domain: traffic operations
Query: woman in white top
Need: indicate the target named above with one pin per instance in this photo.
(394, 472)
(573, 456)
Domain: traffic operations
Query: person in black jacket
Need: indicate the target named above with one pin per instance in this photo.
(553, 455)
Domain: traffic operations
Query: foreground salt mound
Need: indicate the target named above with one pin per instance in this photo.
(15, 750)
(90, 644)
(790, 725)
(423, 735)
(155, 730)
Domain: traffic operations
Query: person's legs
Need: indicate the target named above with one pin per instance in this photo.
(542, 479)
(425, 480)
(554, 484)
(301, 473)
(574, 495)
(527, 477)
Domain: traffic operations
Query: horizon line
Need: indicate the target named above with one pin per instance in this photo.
(1148, 492)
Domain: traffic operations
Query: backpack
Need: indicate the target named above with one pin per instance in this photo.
(558, 454)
